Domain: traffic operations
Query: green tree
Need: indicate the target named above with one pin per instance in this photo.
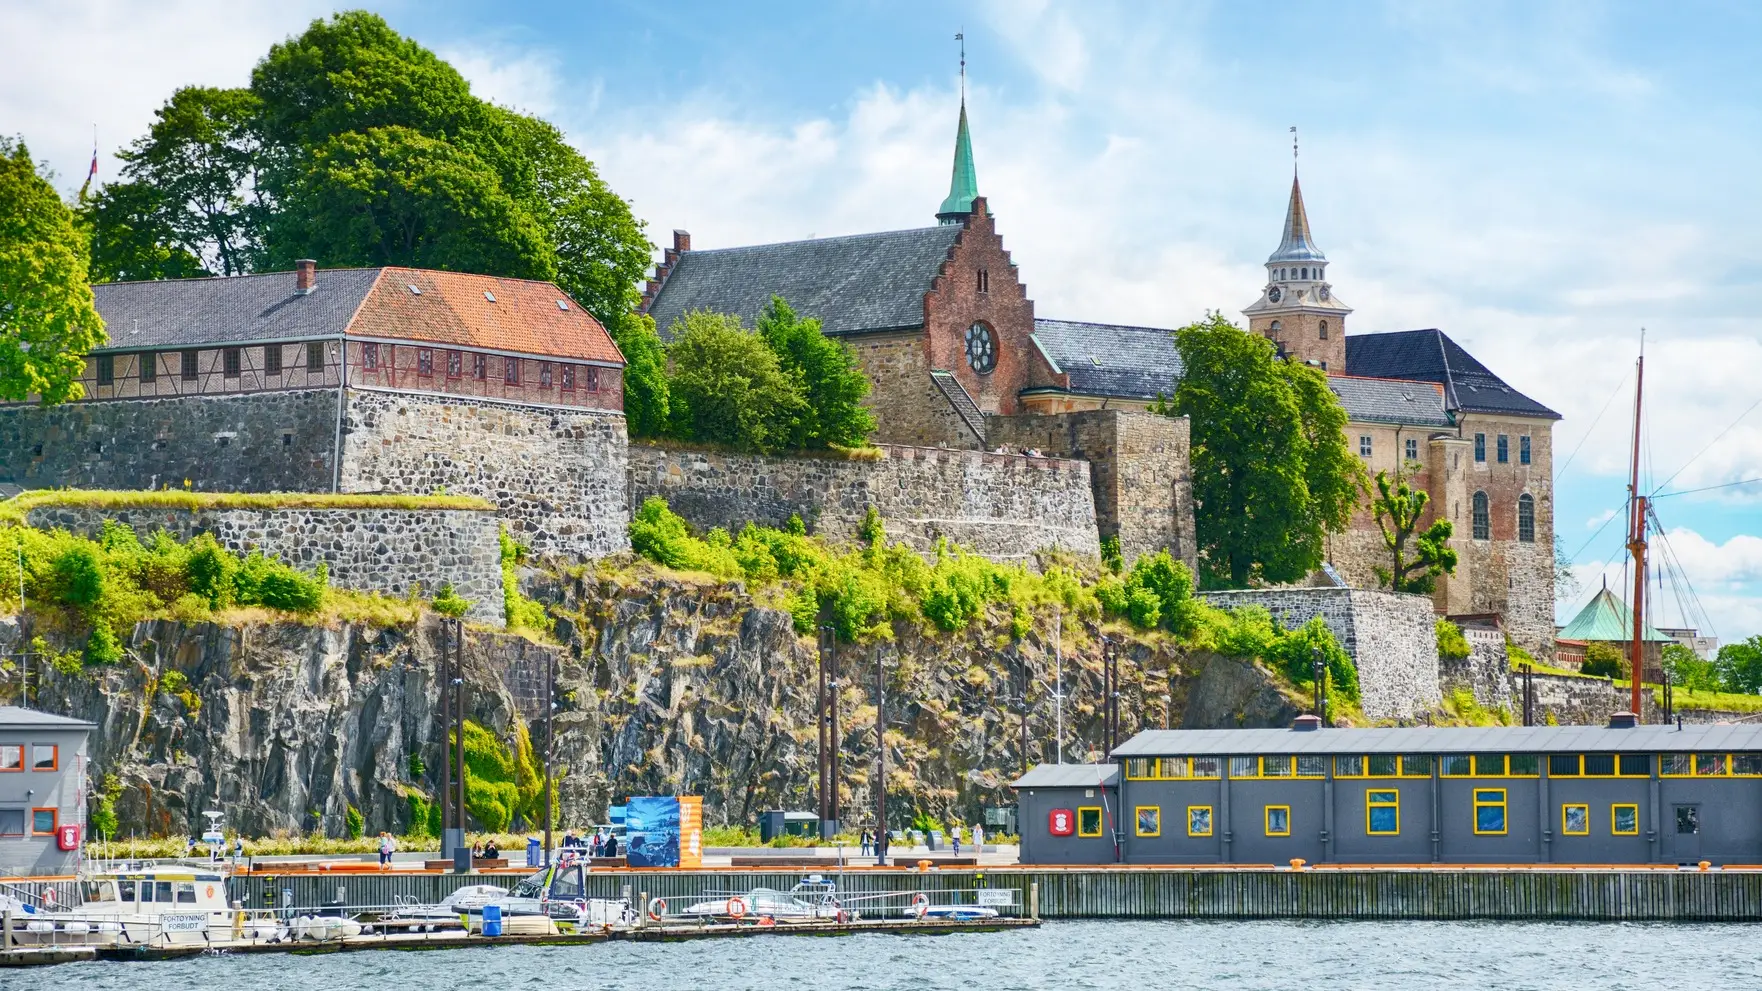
(130, 238)
(831, 378)
(48, 320)
(1399, 508)
(1271, 471)
(726, 385)
(1604, 661)
(1740, 665)
(646, 404)
(1687, 670)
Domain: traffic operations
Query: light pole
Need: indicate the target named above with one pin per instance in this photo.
(1320, 671)
(880, 759)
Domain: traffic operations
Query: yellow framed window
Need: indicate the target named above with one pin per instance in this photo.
(1490, 812)
(1089, 820)
(1244, 767)
(1312, 767)
(1711, 765)
(1624, 820)
(1575, 820)
(1634, 765)
(1676, 765)
(1456, 765)
(1382, 765)
(1278, 820)
(1382, 813)
(1491, 765)
(1173, 767)
(1138, 769)
(1348, 767)
(1207, 767)
(1198, 820)
(1563, 765)
(1148, 819)
(1282, 766)
(1416, 765)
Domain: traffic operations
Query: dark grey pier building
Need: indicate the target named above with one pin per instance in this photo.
(1620, 794)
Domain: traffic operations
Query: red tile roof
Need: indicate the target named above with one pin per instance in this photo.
(452, 309)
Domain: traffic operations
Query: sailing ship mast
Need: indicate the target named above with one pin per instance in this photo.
(1636, 544)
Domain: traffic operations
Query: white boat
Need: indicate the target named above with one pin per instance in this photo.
(147, 905)
(812, 899)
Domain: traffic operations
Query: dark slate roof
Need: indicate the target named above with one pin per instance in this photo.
(1430, 355)
(174, 313)
(962, 401)
(1446, 740)
(1408, 402)
(1069, 776)
(862, 282)
(1107, 359)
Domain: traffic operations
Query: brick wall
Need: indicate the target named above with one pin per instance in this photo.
(908, 407)
(369, 550)
(1004, 507)
(400, 367)
(1299, 333)
(557, 476)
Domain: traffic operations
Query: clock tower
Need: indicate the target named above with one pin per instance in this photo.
(1297, 310)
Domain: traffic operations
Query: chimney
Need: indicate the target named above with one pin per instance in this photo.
(668, 257)
(1306, 723)
(681, 241)
(1623, 720)
(305, 276)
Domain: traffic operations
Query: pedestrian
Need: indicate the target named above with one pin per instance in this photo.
(955, 834)
(864, 840)
(476, 851)
(978, 838)
(239, 848)
(491, 851)
(611, 846)
(386, 846)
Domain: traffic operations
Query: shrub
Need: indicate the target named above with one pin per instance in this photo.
(1451, 643)
(354, 823)
(79, 576)
(519, 611)
(727, 387)
(102, 647)
(1603, 661)
(262, 581)
(1111, 558)
(212, 571)
(449, 603)
(830, 378)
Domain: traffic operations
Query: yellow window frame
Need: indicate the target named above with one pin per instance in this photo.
(1270, 831)
(1615, 818)
(1731, 764)
(1100, 824)
(1664, 759)
(1371, 803)
(1501, 803)
(1444, 763)
(1209, 821)
(1138, 819)
(1138, 769)
(1564, 808)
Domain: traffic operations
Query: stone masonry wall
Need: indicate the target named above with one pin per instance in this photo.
(1390, 638)
(1004, 507)
(1486, 671)
(264, 442)
(368, 550)
(1139, 470)
(557, 476)
(908, 407)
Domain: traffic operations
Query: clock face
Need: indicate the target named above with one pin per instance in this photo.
(981, 349)
(1323, 292)
(1275, 294)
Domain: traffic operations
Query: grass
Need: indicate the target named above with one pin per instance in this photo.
(513, 845)
(833, 453)
(20, 504)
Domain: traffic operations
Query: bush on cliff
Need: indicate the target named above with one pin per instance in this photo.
(502, 783)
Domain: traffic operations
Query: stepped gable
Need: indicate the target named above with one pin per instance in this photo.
(1113, 360)
(853, 284)
(175, 313)
(1431, 356)
(1405, 402)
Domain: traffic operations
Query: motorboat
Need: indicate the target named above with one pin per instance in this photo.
(143, 905)
(557, 895)
(811, 900)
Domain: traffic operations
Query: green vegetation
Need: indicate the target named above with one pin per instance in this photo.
(449, 603)
(826, 373)
(353, 824)
(647, 406)
(1272, 475)
(503, 785)
(48, 320)
(1399, 508)
(1451, 642)
(1603, 661)
(15, 508)
(520, 612)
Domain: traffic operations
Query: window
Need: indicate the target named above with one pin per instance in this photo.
(479, 367)
(1382, 765)
(981, 349)
(12, 757)
(984, 283)
(1456, 765)
(1278, 820)
(1599, 765)
(1276, 767)
(511, 371)
(1489, 812)
(1676, 765)
(126, 889)
(272, 359)
(455, 365)
(1563, 765)
(593, 378)
(1149, 820)
(1525, 765)
(1636, 765)
(106, 369)
(229, 362)
(1416, 765)
(1348, 767)
(314, 356)
(1523, 449)
(1526, 518)
(1364, 445)
(1412, 449)
(425, 362)
(161, 890)
(1504, 449)
(1382, 813)
(45, 757)
(544, 375)
(1312, 767)
(1273, 328)
(1575, 820)
(1089, 821)
(1480, 447)
(1624, 820)
(1198, 820)
(1208, 767)
(1138, 769)
(568, 378)
(370, 356)
(1747, 765)
(1304, 273)
(1490, 765)
(149, 366)
(186, 892)
(1323, 330)
(189, 363)
(1688, 819)
(1244, 767)
(1483, 518)
(11, 822)
(1709, 765)
(43, 822)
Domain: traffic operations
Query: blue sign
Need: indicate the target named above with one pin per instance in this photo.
(651, 832)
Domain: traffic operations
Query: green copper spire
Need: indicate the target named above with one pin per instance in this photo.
(964, 184)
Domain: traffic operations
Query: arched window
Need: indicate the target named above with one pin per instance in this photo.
(1273, 328)
(981, 349)
(1305, 274)
(1324, 330)
(1483, 518)
(1526, 518)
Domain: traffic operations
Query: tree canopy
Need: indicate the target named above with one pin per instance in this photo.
(831, 380)
(646, 401)
(1272, 475)
(727, 387)
(1399, 509)
(48, 320)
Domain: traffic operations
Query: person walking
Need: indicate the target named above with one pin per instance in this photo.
(611, 847)
(865, 842)
(386, 846)
(955, 834)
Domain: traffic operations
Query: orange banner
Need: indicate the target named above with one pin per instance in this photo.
(691, 831)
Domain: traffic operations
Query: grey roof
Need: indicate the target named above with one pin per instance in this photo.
(172, 313)
(1430, 355)
(861, 282)
(962, 401)
(1446, 740)
(1069, 776)
(1369, 400)
(1110, 359)
(14, 717)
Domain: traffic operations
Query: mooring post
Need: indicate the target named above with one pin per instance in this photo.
(642, 914)
(6, 930)
(1034, 900)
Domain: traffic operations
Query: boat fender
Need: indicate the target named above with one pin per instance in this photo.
(920, 904)
(657, 908)
(765, 920)
(736, 907)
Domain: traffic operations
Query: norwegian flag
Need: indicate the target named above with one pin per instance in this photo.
(91, 173)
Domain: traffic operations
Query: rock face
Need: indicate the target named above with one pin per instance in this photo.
(665, 686)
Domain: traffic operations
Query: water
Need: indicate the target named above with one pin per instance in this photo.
(1249, 956)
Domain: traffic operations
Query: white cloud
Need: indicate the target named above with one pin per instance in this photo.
(1601, 518)
(1737, 560)
(523, 80)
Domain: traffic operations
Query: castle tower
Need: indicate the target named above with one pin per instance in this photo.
(1298, 310)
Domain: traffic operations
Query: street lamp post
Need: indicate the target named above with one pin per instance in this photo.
(1320, 677)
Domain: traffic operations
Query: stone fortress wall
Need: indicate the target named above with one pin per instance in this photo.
(393, 551)
(1004, 507)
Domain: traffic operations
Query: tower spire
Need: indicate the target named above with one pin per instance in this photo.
(963, 184)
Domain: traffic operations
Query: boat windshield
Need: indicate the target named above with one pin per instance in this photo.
(101, 891)
(530, 887)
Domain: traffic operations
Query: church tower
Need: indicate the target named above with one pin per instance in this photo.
(1297, 310)
(963, 185)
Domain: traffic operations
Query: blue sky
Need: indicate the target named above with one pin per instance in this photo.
(1539, 179)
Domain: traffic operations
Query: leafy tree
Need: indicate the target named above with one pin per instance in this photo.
(1740, 665)
(130, 239)
(1399, 509)
(48, 320)
(1604, 661)
(646, 407)
(726, 385)
(1271, 471)
(831, 378)
(1687, 670)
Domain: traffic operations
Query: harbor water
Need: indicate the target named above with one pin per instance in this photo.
(1172, 954)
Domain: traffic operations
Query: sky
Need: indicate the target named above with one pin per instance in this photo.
(1542, 180)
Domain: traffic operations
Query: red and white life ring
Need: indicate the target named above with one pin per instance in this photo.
(736, 907)
(657, 908)
(920, 904)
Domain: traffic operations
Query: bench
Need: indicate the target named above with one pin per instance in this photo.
(477, 864)
(796, 861)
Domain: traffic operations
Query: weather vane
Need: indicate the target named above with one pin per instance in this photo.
(961, 36)
(1293, 149)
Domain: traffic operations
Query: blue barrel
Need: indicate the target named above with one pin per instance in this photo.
(532, 851)
(492, 920)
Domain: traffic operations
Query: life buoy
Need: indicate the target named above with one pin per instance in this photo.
(209, 893)
(736, 907)
(657, 908)
(920, 904)
(48, 897)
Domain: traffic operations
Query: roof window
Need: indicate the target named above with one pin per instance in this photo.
(562, 304)
(489, 295)
(414, 290)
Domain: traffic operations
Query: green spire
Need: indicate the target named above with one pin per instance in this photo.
(963, 186)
